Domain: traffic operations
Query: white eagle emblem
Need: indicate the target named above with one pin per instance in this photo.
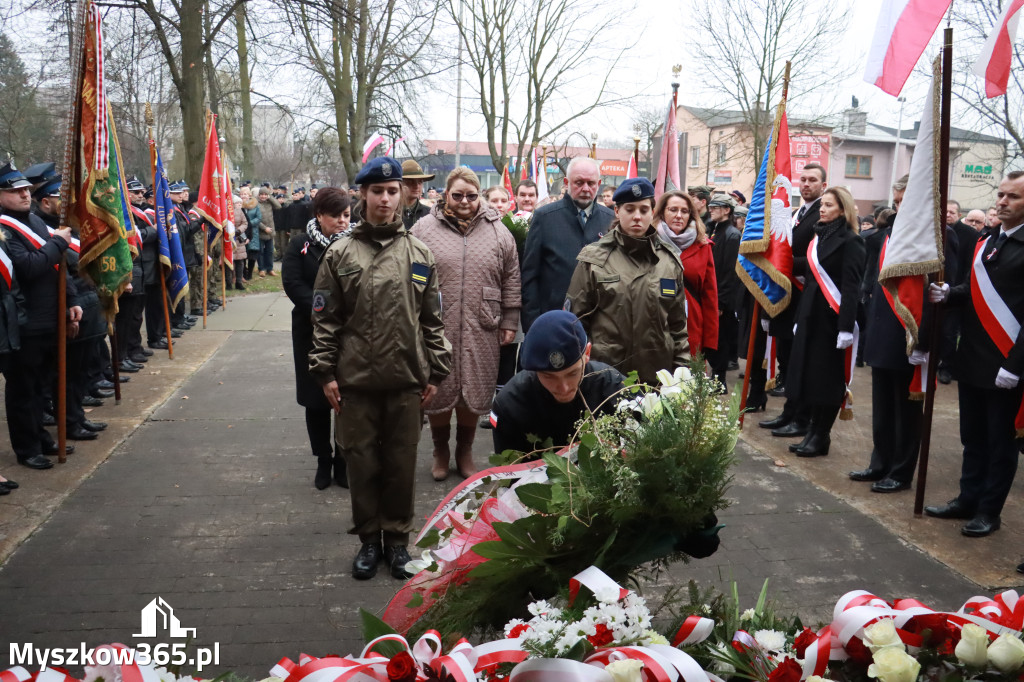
(781, 227)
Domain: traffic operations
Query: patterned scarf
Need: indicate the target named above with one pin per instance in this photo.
(826, 230)
(318, 237)
(683, 240)
(462, 225)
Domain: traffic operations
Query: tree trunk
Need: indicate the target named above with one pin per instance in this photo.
(244, 85)
(211, 73)
(191, 95)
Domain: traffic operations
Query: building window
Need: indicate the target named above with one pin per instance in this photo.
(858, 166)
(722, 150)
(694, 157)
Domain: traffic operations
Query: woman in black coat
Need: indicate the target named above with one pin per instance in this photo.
(823, 333)
(331, 212)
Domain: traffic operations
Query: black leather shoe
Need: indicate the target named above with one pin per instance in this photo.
(138, 359)
(36, 462)
(94, 426)
(889, 485)
(100, 393)
(778, 392)
(90, 401)
(104, 384)
(9, 484)
(159, 345)
(980, 526)
(1020, 568)
(954, 509)
(51, 449)
(81, 433)
(128, 366)
(816, 446)
(123, 379)
(145, 351)
(191, 318)
(793, 447)
(180, 328)
(791, 430)
(757, 404)
(396, 557)
(49, 420)
(776, 422)
(4, 491)
(176, 334)
(868, 474)
(365, 565)
(733, 366)
(946, 377)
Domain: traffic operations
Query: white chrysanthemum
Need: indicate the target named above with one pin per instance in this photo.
(770, 640)
(607, 595)
(748, 614)
(567, 641)
(542, 608)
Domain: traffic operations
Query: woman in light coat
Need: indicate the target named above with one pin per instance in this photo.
(479, 280)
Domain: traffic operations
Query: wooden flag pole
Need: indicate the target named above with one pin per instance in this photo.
(115, 366)
(223, 280)
(748, 370)
(206, 260)
(167, 236)
(933, 334)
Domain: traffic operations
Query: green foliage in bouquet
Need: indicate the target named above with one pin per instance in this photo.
(518, 227)
(643, 487)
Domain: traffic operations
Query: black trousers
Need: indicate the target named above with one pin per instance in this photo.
(990, 450)
(895, 423)
(321, 434)
(77, 380)
(728, 328)
(795, 410)
(28, 374)
(508, 357)
(128, 325)
(155, 326)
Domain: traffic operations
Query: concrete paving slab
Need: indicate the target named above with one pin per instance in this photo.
(270, 312)
(212, 508)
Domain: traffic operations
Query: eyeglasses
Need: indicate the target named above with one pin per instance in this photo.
(457, 197)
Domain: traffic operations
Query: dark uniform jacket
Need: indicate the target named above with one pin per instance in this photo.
(978, 358)
(37, 275)
(377, 322)
(549, 259)
(524, 408)
(781, 325)
(817, 375)
(630, 296)
(12, 311)
(298, 274)
(725, 240)
(187, 230)
(93, 324)
(966, 240)
(410, 214)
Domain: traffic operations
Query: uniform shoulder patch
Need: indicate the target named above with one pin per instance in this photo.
(668, 287)
(319, 300)
(420, 273)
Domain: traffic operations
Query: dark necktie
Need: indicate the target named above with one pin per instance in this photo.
(801, 213)
(583, 217)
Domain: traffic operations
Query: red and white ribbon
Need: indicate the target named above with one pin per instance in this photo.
(693, 630)
(834, 298)
(15, 674)
(996, 317)
(560, 669)
(24, 230)
(595, 580)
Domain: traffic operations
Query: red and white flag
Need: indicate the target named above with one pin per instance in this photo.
(668, 162)
(631, 171)
(371, 144)
(903, 30)
(914, 249)
(996, 56)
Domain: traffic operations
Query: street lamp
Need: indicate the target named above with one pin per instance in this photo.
(896, 150)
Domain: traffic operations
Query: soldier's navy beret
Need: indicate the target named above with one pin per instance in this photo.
(634, 189)
(12, 178)
(555, 341)
(381, 169)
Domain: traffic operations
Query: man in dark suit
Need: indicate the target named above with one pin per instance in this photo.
(990, 360)
(558, 232)
(794, 420)
(962, 254)
(725, 247)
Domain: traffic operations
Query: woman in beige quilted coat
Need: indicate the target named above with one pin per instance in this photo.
(479, 281)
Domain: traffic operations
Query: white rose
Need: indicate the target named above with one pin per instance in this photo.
(1006, 653)
(970, 650)
(626, 670)
(652, 637)
(882, 635)
(893, 665)
(748, 614)
(816, 678)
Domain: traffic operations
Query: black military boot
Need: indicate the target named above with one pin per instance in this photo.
(323, 472)
(340, 471)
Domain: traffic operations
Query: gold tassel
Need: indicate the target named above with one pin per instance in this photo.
(916, 395)
(846, 414)
(770, 384)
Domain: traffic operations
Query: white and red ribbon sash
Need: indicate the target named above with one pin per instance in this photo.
(24, 230)
(75, 244)
(144, 214)
(15, 674)
(594, 579)
(6, 268)
(996, 317)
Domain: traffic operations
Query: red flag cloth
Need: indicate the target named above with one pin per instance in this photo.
(524, 169)
(506, 182)
(631, 167)
(211, 204)
(229, 215)
(902, 33)
(668, 162)
(996, 56)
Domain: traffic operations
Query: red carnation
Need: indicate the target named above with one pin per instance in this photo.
(603, 636)
(518, 631)
(787, 671)
(805, 639)
(401, 668)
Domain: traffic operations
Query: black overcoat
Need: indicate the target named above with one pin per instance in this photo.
(298, 272)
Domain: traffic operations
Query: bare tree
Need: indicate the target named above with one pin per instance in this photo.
(527, 57)
(744, 46)
(1001, 116)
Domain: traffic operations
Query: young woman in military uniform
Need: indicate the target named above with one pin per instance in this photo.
(628, 290)
(379, 352)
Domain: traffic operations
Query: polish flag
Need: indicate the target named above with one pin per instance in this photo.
(903, 31)
(994, 61)
(371, 144)
(631, 167)
(392, 147)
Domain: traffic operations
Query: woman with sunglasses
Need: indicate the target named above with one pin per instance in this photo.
(478, 272)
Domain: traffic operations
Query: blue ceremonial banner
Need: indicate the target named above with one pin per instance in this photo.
(170, 242)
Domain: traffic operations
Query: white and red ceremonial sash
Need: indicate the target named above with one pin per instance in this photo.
(919, 383)
(6, 268)
(996, 317)
(23, 229)
(138, 212)
(834, 298)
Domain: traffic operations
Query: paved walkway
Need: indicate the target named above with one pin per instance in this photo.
(209, 504)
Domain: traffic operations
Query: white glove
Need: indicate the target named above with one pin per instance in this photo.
(844, 340)
(918, 357)
(764, 326)
(794, 330)
(937, 293)
(1006, 380)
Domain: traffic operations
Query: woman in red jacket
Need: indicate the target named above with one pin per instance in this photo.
(679, 223)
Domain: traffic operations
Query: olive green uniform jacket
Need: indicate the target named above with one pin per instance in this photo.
(377, 313)
(629, 295)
